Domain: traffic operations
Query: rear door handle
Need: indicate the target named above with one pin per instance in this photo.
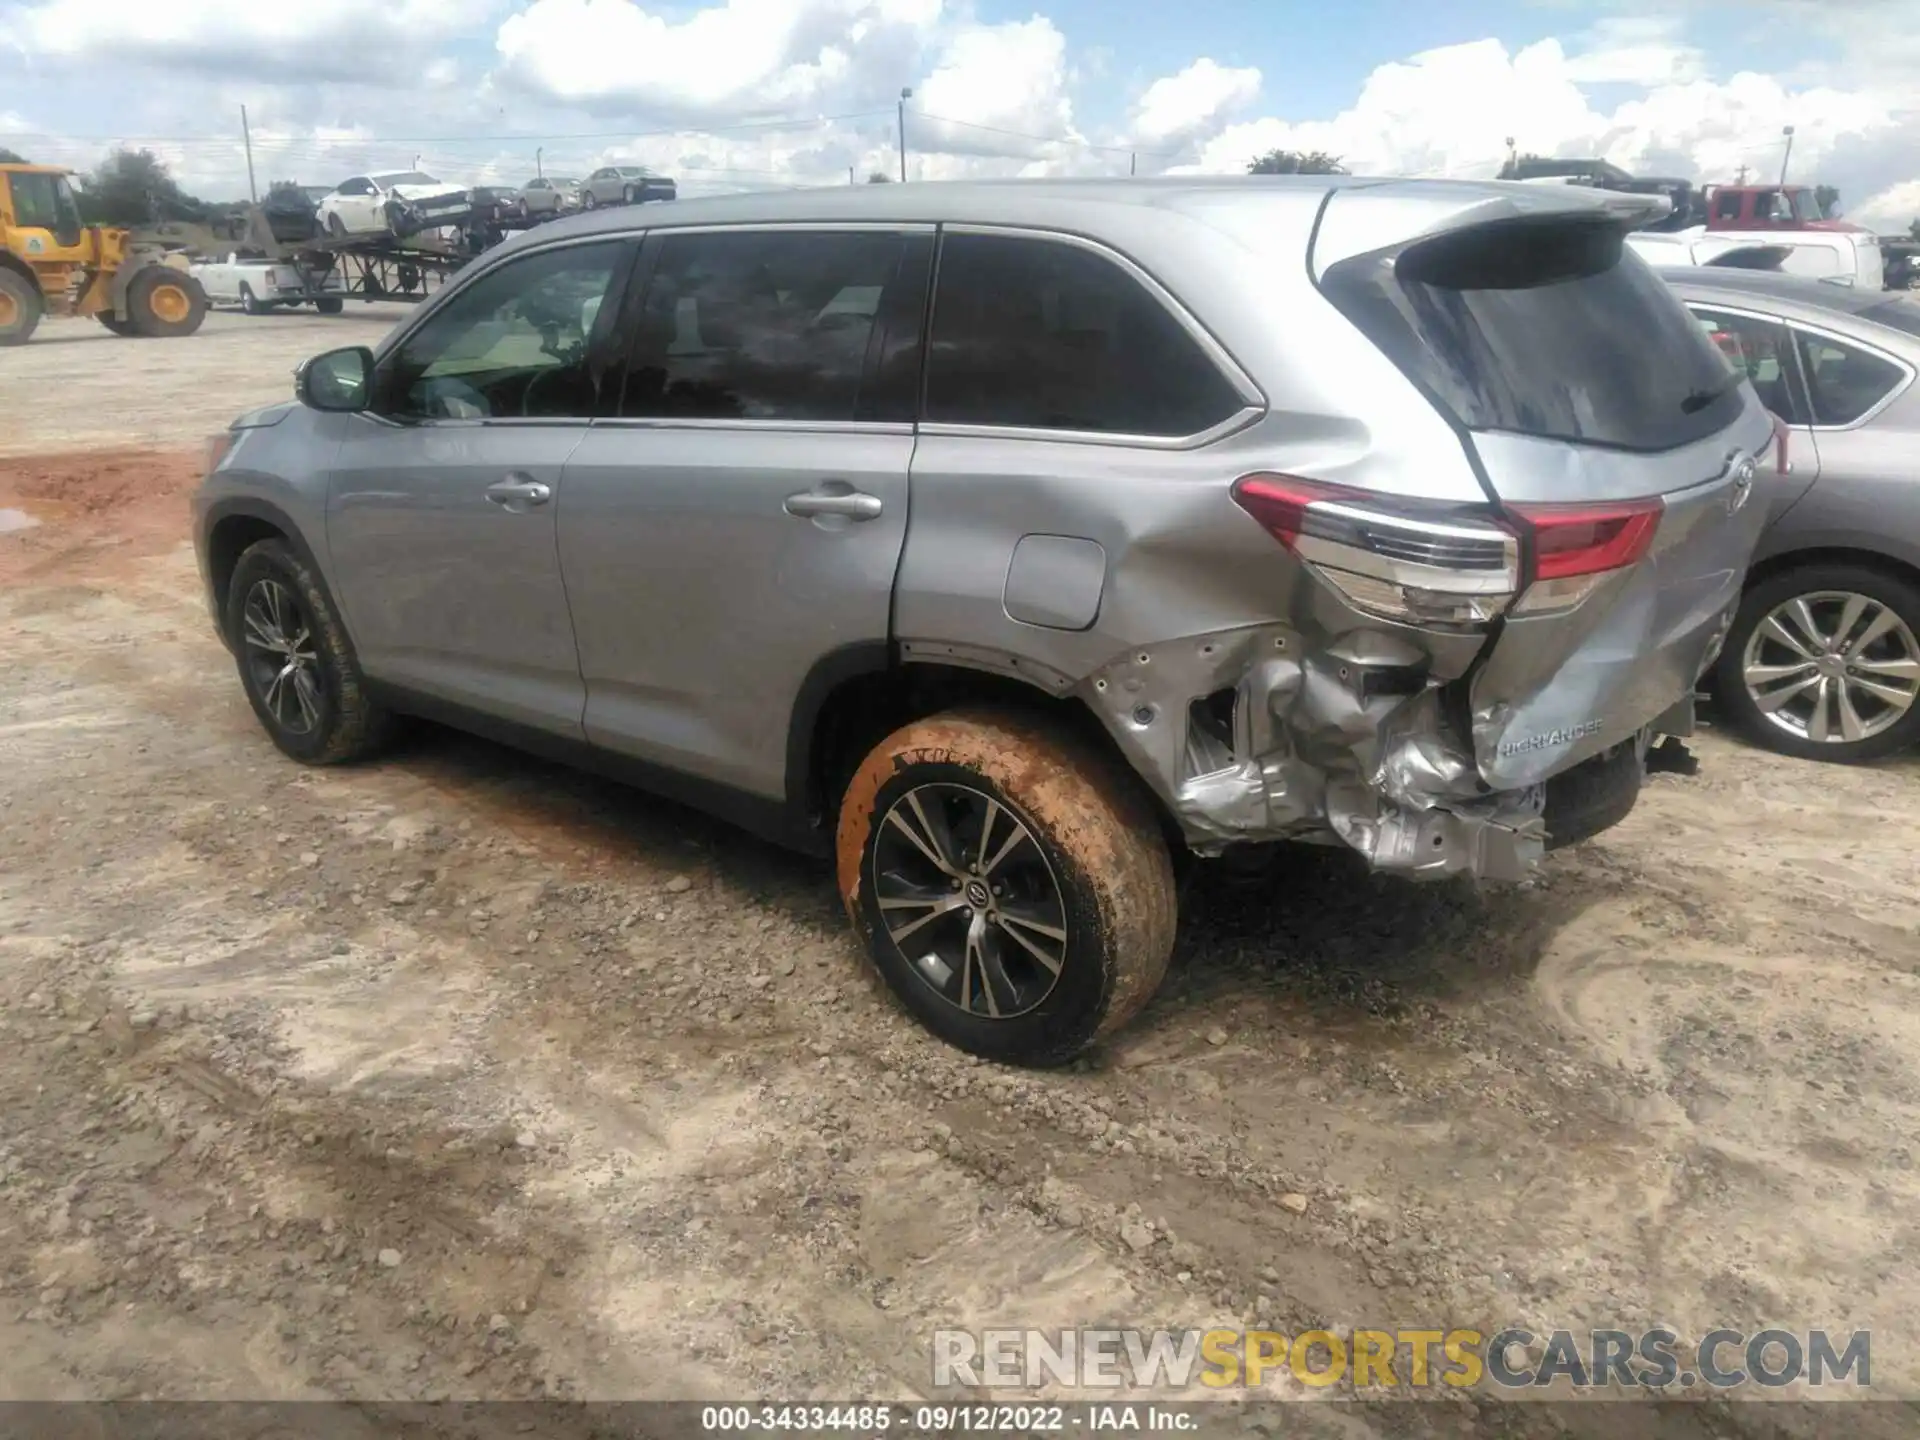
(853, 505)
(519, 492)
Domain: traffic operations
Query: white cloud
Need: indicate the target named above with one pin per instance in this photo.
(1177, 107)
(339, 39)
(998, 85)
(737, 60)
(1450, 111)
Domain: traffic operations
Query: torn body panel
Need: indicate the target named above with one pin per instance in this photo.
(1254, 735)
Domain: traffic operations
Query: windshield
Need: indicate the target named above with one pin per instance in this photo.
(634, 170)
(1542, 327)
(1804, 207)
(45, 202)
(404, 177)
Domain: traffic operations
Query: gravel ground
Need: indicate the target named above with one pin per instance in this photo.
(458, 1075)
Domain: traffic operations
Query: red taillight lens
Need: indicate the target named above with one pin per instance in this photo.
(1420, 564)
(1571, 540)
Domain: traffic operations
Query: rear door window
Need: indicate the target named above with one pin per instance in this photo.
(1041, 334)
(811, 325)
(1845, 381)
(1544, 328)
(1762, 350)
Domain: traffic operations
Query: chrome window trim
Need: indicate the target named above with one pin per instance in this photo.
(1239, 420)
(1838, 337)
(804, 427)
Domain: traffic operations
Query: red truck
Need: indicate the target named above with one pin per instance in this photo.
(1767, 207)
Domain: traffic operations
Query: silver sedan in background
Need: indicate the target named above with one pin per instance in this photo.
(1823, 661)
(550, 195)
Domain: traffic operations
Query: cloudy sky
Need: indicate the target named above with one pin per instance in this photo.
(731, 94)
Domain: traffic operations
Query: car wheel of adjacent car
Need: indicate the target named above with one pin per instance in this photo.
(1010, 884)
(1823, 663)
(336, 227)
(296, 663)
(330, 305)
(589, 200)
(249, 303)
(628, 195)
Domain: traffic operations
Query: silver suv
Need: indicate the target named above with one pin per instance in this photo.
(1006, 541)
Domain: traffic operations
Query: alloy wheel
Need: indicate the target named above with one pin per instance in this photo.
(1832, 667)
(282, 659)
(970, 899)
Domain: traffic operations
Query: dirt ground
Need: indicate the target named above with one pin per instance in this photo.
(458, 1075)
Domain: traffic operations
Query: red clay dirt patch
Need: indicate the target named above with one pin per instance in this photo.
(92, 509)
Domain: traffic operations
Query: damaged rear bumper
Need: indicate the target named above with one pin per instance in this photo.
(1252, 736)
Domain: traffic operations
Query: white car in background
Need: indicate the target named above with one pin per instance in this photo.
(400, 202)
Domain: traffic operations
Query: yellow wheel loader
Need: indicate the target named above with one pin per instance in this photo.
(51, 264)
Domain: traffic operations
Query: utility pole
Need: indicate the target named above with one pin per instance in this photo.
(1741, 179)
(850, 179)
(1513, 157)
(905, 95)
(246, 137)
(1786, 130)
(1133, 162)
(537, 168)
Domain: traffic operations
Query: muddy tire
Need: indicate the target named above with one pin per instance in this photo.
(20, 308)
(1883, 608)
(164, 304)
(1010, 884)
(296, 663)
(122, 328)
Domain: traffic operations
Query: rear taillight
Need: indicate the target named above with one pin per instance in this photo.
(1448, 566)
(1419, 565)
(1575, 547)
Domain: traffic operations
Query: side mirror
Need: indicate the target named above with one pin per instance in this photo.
(339, 380)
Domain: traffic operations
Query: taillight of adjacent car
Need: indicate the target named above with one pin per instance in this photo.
(1457, 567)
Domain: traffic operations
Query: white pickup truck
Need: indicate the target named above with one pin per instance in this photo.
(260, 285)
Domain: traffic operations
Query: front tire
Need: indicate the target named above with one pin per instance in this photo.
(1010, 884)
(1823, 663)
(20, 308)
(336, 227)
(330, 305)
(296, 664)
(589, 200)
(163, 303)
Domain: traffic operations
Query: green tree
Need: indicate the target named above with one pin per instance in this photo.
(1913, 230)
(879, 177)
(12, 157)
(1296, 162)
(132, 187)
(1828, 199)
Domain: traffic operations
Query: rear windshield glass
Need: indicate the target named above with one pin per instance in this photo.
(1547, 328)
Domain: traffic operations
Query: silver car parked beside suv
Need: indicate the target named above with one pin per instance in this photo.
(1824, 659)
(1001, 541)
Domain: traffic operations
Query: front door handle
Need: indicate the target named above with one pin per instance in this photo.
(852, 505)
(525, 493)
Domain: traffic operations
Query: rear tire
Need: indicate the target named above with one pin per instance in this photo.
(316, 710)
(1075, 939)
(248, 303)
(1889, 661)
(163, 303)
(332, 305)
(20, 308)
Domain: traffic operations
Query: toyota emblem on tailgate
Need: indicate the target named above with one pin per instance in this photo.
(1741, 470)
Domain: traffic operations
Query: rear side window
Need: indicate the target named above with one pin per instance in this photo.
(1762, 350)
(1845, 381)
(1040, 334)
(781, 325)
(1544, 328)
